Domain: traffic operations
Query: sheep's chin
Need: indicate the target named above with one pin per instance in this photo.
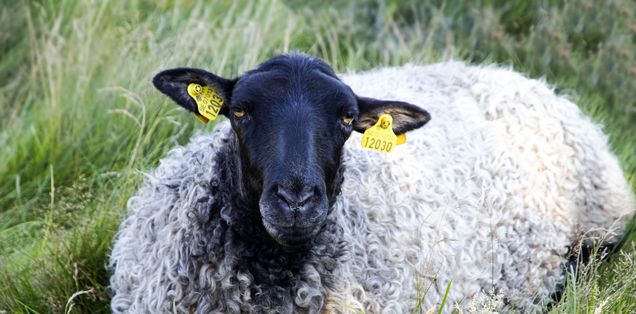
(291, 237)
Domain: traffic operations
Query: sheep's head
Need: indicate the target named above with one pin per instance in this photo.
(291, 117)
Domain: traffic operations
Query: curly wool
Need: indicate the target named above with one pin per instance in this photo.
(490, 195)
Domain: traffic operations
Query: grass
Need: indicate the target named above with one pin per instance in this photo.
(80, 122)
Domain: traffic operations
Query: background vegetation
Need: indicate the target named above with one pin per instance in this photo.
(79, 121)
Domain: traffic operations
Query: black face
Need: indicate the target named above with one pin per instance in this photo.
(292, 116)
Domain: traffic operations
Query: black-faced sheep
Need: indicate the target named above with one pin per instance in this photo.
(281, 209)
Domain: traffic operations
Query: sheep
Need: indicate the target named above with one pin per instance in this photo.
(281, 210)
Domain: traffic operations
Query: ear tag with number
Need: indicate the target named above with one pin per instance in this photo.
(380, 137)
(209, 102)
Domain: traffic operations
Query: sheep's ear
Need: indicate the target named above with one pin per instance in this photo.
(406, 117)
(174, 83)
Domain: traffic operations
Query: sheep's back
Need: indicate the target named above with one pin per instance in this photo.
(490, 194)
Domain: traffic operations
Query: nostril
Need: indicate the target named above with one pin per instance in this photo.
(285, 195)
(305, 196)
(295, 199)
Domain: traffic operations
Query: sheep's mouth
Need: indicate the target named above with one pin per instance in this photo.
(293, 220)
(292, 236)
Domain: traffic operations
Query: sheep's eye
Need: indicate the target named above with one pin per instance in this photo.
(347, 120)
(239, 113)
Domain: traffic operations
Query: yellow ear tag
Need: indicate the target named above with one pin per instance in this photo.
(380, 137)
(208, 101)
(401, 139)
(201, 118)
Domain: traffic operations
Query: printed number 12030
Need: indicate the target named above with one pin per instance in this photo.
(378, 144)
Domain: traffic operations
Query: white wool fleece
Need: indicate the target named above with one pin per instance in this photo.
(489, 195)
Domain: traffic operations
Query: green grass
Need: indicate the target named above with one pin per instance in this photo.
(80, 122)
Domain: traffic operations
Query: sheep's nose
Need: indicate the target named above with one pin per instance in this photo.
(296, 199)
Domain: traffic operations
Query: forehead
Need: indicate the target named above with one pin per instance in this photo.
(292, 79)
